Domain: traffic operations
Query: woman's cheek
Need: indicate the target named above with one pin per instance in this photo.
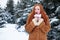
(38, 11)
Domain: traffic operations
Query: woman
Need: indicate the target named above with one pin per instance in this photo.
(37, 26)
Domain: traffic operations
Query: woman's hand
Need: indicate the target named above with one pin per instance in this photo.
(34, 21)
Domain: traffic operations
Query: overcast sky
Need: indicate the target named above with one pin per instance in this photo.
(3, 3)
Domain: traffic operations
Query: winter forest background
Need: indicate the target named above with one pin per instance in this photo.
(13, 15)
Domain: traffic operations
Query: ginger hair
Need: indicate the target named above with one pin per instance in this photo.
(42, 11)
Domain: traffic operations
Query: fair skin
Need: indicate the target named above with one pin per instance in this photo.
(37, 11)
(37, 20)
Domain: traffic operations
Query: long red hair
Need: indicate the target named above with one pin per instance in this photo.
(43, 13)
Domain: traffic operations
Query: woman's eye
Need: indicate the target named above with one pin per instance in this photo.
(38, 9)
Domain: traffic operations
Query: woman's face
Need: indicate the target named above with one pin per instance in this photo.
(37, 9)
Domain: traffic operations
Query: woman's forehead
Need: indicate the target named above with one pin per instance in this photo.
(37, 7)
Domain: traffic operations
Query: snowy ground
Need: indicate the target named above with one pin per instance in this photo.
(9, 32)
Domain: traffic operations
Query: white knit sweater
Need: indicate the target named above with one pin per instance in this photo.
(34, 19)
